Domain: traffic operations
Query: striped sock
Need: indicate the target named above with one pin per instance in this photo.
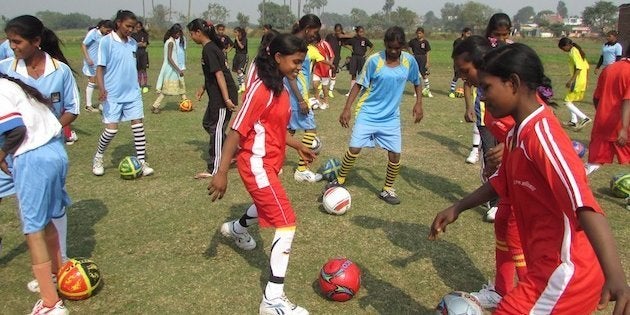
(104, 140)
(307, 140)
(392, 172)
(139, 140)
(241, 78)
(346, 166)
(453, 86)
(427, 85)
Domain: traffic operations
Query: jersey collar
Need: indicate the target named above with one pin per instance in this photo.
(50, 66)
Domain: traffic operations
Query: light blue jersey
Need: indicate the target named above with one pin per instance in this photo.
(610, 53)
(57, 83)
(382, 89)
(91, 40)
(181, 52)
(120, 74)
(5, 50)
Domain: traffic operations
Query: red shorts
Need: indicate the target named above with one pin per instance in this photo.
(272, 203)
(602, 151)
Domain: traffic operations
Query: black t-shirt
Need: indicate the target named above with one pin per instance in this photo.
(241, 50)
(141, 36)
(457, 42)
(213, 60)
(336, 43)
(419, 47)
(359, 45)
(226, 41)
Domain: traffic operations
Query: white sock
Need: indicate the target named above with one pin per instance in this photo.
(476, 140)
(89, 91)
(575, 112)
(332, 84)
(61, 224)
(279, 261)
(250, 217)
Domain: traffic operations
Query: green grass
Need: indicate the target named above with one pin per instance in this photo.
(155, 239)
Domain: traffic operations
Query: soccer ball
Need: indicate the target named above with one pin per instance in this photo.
(186, 105)
(579, 147)
(317, 145)
(336, 200)
(130, 168)
(339, 279)
(330, 170)
(459, 303)
(78, 278)
(459, 92)
(620, 185)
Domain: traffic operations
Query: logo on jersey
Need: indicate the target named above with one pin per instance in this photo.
(55, 97)
(134, 54)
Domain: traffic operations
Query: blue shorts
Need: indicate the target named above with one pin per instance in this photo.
(40, 180)
(88, 70)
(114, 113)
(300, 121)
(7, 188)
(366, 136)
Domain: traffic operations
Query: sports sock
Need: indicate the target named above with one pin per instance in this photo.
(476, 139)
(307, 140)
(427, 84)
(139, 140)
(104, 140)
(47, 289)
(346, 166)
(249, 217)
(575, 112)
(453, 86)
(61, 224)
(332, 84)
(279, 261)
(89, 91)
(392, 172)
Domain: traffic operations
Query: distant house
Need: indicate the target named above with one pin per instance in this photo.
(623, 25)
(573, 21)
(580, 31)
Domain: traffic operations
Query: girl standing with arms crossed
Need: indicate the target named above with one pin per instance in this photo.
(240, 57)
(121, 97)
(258, 139)
(578, 67)
(360, 47)
(142, 56)
(563, 229)
(222, 92)
(89, 47)
(171, 78)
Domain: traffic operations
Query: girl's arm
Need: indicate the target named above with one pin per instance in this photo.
(296, 91)
(622, 137)
(571, 81)
(101, 83)
(86, 55)
(171, 61)
(344, 118)
(418, 112)
(67, 118)
(303, 151)
(224, 91)
(238, 42)
(469, 115)
(428, 59)
(598, 232)
(13, 140)
(218, 184)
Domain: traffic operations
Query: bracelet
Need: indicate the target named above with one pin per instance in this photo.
(225, 101)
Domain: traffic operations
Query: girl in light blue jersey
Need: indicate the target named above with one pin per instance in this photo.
(89, 47)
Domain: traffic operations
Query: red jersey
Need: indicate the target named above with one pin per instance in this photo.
(262, 123)
(613, 87)
(322, 70)
(546, 183)
(500, 127)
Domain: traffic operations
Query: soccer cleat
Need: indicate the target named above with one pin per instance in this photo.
(146, 169)
(307, 176)
(473, 157)
(100, 107)
(389, 195)
(155, 110)
(58, 309)
(569, 124)
(280, 305)
(487, 296)
(243, 240)
(590, 168)
(72, 139)
(33, 285)
(90, 109)
(582, 123)
(451, 95)
(491, 213)
(331, 94)
(323, 106)
(97, 166)
(241, 88)
(145, 90)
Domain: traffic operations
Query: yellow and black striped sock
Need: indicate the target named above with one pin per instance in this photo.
(346, 166)
(392, 172)
(307, 139)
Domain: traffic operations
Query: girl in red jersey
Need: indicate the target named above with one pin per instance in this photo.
(567, 242)
(257, 140)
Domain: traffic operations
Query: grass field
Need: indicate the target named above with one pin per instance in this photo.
(156, 242)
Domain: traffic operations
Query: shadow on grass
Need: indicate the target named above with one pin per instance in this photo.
(202, 147)
(438, 185)
(14, 252)
(255, 258)
(454, 146)
(451, 263)
(82, 217)
(123, 150)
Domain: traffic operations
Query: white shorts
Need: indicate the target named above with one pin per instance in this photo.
(325, 81)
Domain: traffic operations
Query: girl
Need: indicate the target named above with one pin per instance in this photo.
(359, 47)
(142, 55)
(222, 93)
(578, 67)
(171, 78)
(264, 117)
(466, 32)
(40, 63)
(557, 215)
(89, 47)
(182, 44)
(322, 72)
(31, 135)
(122, 99)
(611, 51)
(336, 41)
(240, 57)
(377, 119)
(420, 48)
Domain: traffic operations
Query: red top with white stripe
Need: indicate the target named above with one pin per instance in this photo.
(322, 70)
(546, 183)
(613, 87)
(262, 123)
(499, 127)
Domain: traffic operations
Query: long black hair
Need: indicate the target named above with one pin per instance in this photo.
(498, 20)
(472, 49)
(564, 41)
(307, 21)
(206, 28)
(283, 44)
(30, 27)
(29, 90)
(172, 31)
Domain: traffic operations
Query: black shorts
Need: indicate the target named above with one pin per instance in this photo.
(422, 64)
(142, 59)
(356, 64)
(239, 63)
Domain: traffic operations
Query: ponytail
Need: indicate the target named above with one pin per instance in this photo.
(307, 21)
(28, 90)
(206, 28)
(266, 65)
(564, 41)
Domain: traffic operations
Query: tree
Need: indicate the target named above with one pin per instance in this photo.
(216, 13)
(562, 10)
(387, 8)
(451, 17)
(541, 18)
(242, 19)
(359, 17)
(279, 16)
(377, 22)
(475, 15)
(315, 5)
(404, 18)
(601, 16)
(159, 18)
(329, 19)
(60, 21)
(558, 29)
(432, 21)
(524, 15)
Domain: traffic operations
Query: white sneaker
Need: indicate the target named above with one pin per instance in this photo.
(491, 214)
(307, 176)
(280, 305)
(33, 285)
(97, 166)
(347, 94)
(243, 240)
(58, 309)
(100, 107)
(487, 296)
(73, 138)
(590, 168)
(473, 157)
(323, 106)
(146, 169)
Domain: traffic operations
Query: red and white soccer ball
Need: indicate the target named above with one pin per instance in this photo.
(459, 303)
(336, 200)
(339, 279)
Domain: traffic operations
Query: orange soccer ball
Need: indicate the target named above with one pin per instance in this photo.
(186, 105)
(78, 278)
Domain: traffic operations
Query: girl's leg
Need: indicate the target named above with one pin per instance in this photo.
(45, 260)
(473, 156)
(106, 137)
(155, 108)
(393, 169)
(140, 143)
(89, 92)
(347, 164)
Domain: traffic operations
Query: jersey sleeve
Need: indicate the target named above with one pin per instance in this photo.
(314, 54)
(618, 50)
(414, 71)
(71, 101)
(428, 48)
(369, 43)
(10, 117)
(103, 51)
(88, 38)
(368, 71)
(256, 100)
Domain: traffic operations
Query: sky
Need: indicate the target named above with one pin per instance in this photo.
(107, 8)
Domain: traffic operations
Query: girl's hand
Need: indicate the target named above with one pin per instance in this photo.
(303, 108)
(229, 105)
(442, 219)
(306, 154)
(344, 118)
(89, 62)
(199, 93)
(417, 113)
(5, 168)
(622, 137)
(181, 73)
(469, 116)
(217, 186)
(569, 84)
(619, 292)
(103, 96)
